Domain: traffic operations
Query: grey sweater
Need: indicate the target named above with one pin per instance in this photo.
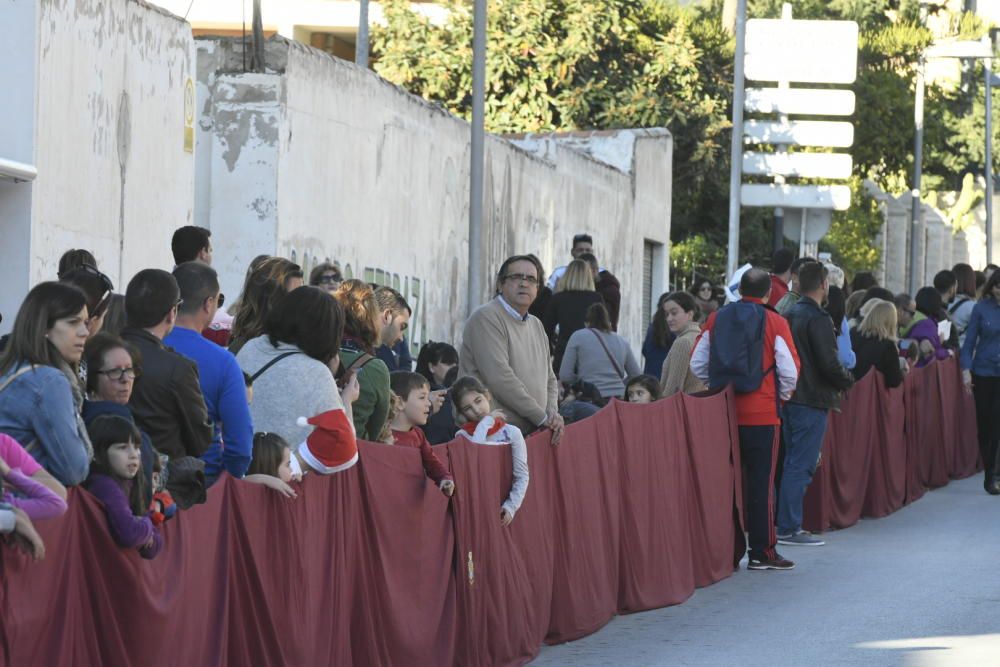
(297, 386)
(586, 360)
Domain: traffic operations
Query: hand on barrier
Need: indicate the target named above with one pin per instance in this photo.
(162, 508)
(556, 425)
(272, 482)
(447, 487)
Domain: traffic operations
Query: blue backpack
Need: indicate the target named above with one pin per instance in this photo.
(736, 355)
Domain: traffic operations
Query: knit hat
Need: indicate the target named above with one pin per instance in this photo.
(331, 447)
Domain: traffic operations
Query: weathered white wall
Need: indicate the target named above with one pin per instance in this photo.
(378, 179)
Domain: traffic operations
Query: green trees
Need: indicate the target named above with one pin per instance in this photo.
(558, 65)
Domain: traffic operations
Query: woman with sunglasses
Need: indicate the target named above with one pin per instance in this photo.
(40, 396)
(704, 295)
(326, 276)
(114, 366)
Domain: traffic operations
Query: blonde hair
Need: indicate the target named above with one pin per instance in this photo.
(879, 320)
(360, 311)
(578, 276)
(834, 275)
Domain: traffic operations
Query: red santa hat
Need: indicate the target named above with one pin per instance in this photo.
(331, 447)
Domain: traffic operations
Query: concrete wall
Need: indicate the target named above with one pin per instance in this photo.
(113, 172)
(323, 160)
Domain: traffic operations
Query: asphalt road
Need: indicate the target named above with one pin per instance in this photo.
(919, 587)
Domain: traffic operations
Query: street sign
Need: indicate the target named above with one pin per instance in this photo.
(960, 48)
(837, 197)
(804, 51)
(805, 165)
(819, 102)
(837, 134)
(818, 221)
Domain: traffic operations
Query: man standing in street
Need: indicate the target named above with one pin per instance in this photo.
(820, 384)
(793, 294)
(507, 349)
(748, 345)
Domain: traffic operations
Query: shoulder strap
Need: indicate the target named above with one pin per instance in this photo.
(278, 358)
(958, 302)
(16, 374)
(360, 361)
(618, 369)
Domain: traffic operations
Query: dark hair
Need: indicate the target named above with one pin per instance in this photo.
(197, 282)
(597, 317)
(686, 302)
(980, 280)
(799, 263)
(589, 258)
(781, 260)
(755, 283)
(360, 308)
(991, 282)
(435, 353)
(944, 280)
(991, 267)
(75, 258)
(966, 278)
(661, 332)
(587, 392)
(263, 289)
(391, 300)
(582, 238)
(502, 273)
(466, 385)
(268, 450)
(928, 301)
(310, 319)
(108, 430)
(836, 307)
(811, 277)
(187, 242)
(647, 382)
(94, 284)
(877, 293)
(114, 315)
(403, 383)
(149, 297)
(902, 300)
(45, 304)
(863, 280)
(99, 345)
(320, 269)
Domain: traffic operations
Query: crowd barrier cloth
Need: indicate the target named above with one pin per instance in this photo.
(637, 507)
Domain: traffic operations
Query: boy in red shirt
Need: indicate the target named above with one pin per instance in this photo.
(413, 406)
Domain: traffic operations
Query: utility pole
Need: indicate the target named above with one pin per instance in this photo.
(361, 45)
(736, 152)
(477, 155)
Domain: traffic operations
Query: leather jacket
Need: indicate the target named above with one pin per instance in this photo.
(823, 377)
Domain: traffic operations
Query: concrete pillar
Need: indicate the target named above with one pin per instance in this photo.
(897, 228)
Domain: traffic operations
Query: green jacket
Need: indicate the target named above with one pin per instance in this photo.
(372, 407)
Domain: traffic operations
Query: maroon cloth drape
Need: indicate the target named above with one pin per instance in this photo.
(888, 446)
(637, 507)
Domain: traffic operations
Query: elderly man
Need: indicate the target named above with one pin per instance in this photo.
(507, 349)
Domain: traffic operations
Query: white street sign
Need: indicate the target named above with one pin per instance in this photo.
(837, 197)
(821, 102)
(809, 51)
(837, 134)
(818, 221)
(963, 48)
(805, 165)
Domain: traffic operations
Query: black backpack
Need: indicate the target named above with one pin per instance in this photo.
(736, 352)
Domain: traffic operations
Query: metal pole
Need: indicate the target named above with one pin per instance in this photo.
(918, 156)
(475, 290)
(736, 152)
(779, 212)
(257, 28)
(361, 44)
(988, 66)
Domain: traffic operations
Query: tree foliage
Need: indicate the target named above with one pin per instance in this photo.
(558, 65)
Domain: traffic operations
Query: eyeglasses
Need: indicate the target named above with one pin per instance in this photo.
(116, 374)
(521, 278)
(706, 288)
(329, 279)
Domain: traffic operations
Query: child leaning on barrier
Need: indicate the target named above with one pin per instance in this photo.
(271, 464)
(472, 402)
(411, 396)
(642, 389)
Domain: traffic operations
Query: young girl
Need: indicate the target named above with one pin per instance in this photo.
(271, 464)
(642, 389)
(114, 480)
(472, 402)
(16, 470)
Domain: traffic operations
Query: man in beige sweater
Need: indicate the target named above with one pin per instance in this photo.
(508, 351)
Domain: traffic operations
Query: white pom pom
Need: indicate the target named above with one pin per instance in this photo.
(302, 421)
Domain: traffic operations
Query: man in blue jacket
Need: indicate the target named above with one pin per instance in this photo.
(221, 378)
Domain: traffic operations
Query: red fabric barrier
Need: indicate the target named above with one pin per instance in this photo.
(635, 509)
(887, 447)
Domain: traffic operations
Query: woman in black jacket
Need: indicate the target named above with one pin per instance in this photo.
(874, 343)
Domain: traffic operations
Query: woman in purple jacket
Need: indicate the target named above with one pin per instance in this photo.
(114, 479)
(924, 329)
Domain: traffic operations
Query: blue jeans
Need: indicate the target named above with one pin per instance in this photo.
(803, 428)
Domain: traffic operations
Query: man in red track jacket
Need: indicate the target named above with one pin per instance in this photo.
(757, 409)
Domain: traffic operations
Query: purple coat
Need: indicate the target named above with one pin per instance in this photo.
(128, 530)
(927, 329)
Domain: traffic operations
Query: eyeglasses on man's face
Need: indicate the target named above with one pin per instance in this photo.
(117, 374)
(521, 278)
(329, 279)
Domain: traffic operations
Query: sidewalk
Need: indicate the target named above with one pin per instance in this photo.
(928, 574)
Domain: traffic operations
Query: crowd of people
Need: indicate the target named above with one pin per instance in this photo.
(147, 398)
